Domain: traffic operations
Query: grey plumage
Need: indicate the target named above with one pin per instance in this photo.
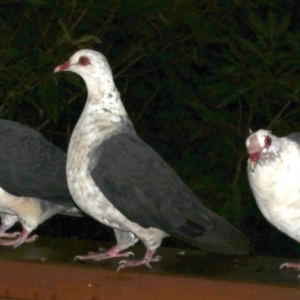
(122, 182)
(33, 185)
(295, 137)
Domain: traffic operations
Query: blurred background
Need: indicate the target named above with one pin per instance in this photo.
(194, 76)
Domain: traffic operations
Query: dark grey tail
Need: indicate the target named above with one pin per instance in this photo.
(222, 238)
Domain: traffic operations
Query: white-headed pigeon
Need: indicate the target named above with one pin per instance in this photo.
(120, 181)
(274, 176)
(33, 183)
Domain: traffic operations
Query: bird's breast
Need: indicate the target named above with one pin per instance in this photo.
(85, 192)
(276, 188)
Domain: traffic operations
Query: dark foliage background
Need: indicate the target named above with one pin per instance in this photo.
(194, 77)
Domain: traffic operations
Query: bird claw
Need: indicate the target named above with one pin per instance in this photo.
(285, 265)
(30, 239)
(121, 265)
(19, 240)
(134, 263)
(148, 265)
(125, 254)
(96, 256)
(156, 258)
(33, 238)
(12, 235)
(129, 254)
(290, 266)
(127, 263)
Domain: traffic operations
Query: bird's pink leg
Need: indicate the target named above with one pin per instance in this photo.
(290, 265)
(8, 221)
(12, 235)
(111, 253)
(22, 237)
(148, 258)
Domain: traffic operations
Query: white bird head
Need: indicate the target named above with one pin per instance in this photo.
(90, 65)
(103, 95)
(93, 67)
(261, 145)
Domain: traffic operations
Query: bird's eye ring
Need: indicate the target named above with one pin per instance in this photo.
(83, 60)
(268, 141)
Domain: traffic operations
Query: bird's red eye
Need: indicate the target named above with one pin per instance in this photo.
(84, 61)
(268, 141)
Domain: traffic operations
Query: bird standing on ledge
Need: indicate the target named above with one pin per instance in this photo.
(123, 183)
(33, 182)
(274, 177)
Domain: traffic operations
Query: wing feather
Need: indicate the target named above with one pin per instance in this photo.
(31, 166)
(143, 186)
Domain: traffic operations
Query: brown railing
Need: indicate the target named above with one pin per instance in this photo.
(46, 270)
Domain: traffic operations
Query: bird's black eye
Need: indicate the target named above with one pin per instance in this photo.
(268, 141)
(83, 60)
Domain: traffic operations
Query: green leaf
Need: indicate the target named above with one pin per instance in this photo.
(66, 31)
(86, 39)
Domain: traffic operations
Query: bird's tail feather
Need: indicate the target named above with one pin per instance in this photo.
(222, 238)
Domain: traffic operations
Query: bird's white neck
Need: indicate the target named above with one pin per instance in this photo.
(103, 101)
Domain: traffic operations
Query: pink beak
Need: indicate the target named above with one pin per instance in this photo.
(63, 67)
(254, 157)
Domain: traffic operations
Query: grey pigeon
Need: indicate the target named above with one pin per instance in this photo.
(33, 183)
(123, 183)
(274, 176)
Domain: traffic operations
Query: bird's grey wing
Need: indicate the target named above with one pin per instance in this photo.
(141, 185)
(30, 166)
(295, 137)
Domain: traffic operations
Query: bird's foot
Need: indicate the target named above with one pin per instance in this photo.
(111, 253)
(11, 235)
(290, 265)
(21, 237)
(148, 258)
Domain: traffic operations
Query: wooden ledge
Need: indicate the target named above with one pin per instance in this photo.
(46, 270)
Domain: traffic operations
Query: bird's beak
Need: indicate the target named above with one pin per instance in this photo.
(253, 164)
(63, 67)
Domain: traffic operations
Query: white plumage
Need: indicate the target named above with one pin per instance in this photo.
(122, 182)
(274, 176)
